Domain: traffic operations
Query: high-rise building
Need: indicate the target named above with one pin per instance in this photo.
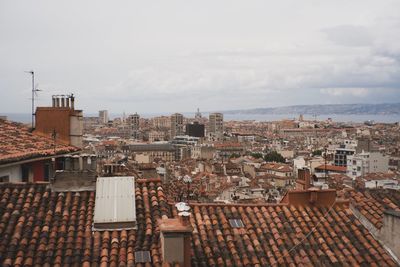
(176, 125)
(216, 124)
(133, 123)
(103, 116)
(196, 129)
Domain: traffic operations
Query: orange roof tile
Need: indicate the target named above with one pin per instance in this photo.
(332, 168)
(42, 228)
(372, 203)
(283, 235)
(17, 143)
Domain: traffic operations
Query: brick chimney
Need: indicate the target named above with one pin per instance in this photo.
(175, 235)
(62, 119)
(304, 179)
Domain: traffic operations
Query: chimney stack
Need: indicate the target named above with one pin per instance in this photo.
(175, 235)
(72, 101)
(304, 176)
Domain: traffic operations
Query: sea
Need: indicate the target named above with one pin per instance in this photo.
(389, 118)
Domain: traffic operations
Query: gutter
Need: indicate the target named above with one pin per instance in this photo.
(36, 159)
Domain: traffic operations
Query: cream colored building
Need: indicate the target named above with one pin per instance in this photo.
(176, 125)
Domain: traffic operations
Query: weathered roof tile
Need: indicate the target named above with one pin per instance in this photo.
(18, 143)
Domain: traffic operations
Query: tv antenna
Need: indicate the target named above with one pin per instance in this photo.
(34, 93)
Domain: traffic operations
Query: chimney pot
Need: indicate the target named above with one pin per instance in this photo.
(72, 102)
(184, 218)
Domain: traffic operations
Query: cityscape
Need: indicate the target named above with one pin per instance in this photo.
(200, 142)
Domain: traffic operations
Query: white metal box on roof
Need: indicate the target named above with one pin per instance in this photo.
(115, 203)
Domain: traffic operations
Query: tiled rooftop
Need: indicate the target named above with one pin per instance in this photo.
(275, 166)
(331, 168)
(282, 235)
(17, 143)
(372, 203)
(41, 228)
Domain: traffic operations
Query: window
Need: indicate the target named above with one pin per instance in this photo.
(46, 171)
(4, 179)
(236, 223)
(25, 173)
(142, 256)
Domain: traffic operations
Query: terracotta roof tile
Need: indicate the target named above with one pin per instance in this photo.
(372, 203)
(273, 235)
(38, 227)
(18, 143)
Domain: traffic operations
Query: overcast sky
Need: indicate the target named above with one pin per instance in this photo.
(167, 56)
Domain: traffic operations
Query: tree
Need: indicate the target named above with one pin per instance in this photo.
(274, 156)
(317, 152)
(234, 155)
(256, 155)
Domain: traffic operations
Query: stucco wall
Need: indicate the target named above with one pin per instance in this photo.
(172, 248)
(14, 173)
(390, 232)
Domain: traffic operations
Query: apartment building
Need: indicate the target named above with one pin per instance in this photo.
(216, 124)
(103, 116)
(366, 162)
(176, 125)
(133, 123)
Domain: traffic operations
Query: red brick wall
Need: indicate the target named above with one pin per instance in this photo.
(49, 119)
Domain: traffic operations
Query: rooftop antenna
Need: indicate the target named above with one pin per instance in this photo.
(34, 93)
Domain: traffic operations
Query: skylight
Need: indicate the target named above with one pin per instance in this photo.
(115, 203)
(236, 223)
(142, 256)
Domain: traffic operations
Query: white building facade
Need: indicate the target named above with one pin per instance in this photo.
(366, 162)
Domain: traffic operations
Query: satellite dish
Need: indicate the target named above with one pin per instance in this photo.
(182, 206)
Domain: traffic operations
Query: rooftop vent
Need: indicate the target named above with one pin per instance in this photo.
(115, 207)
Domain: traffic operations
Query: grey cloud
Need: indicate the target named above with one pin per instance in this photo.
(349, 35)
(151, 57)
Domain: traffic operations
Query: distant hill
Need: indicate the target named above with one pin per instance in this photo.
(349, 109)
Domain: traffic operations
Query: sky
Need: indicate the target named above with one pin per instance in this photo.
(175, 56)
